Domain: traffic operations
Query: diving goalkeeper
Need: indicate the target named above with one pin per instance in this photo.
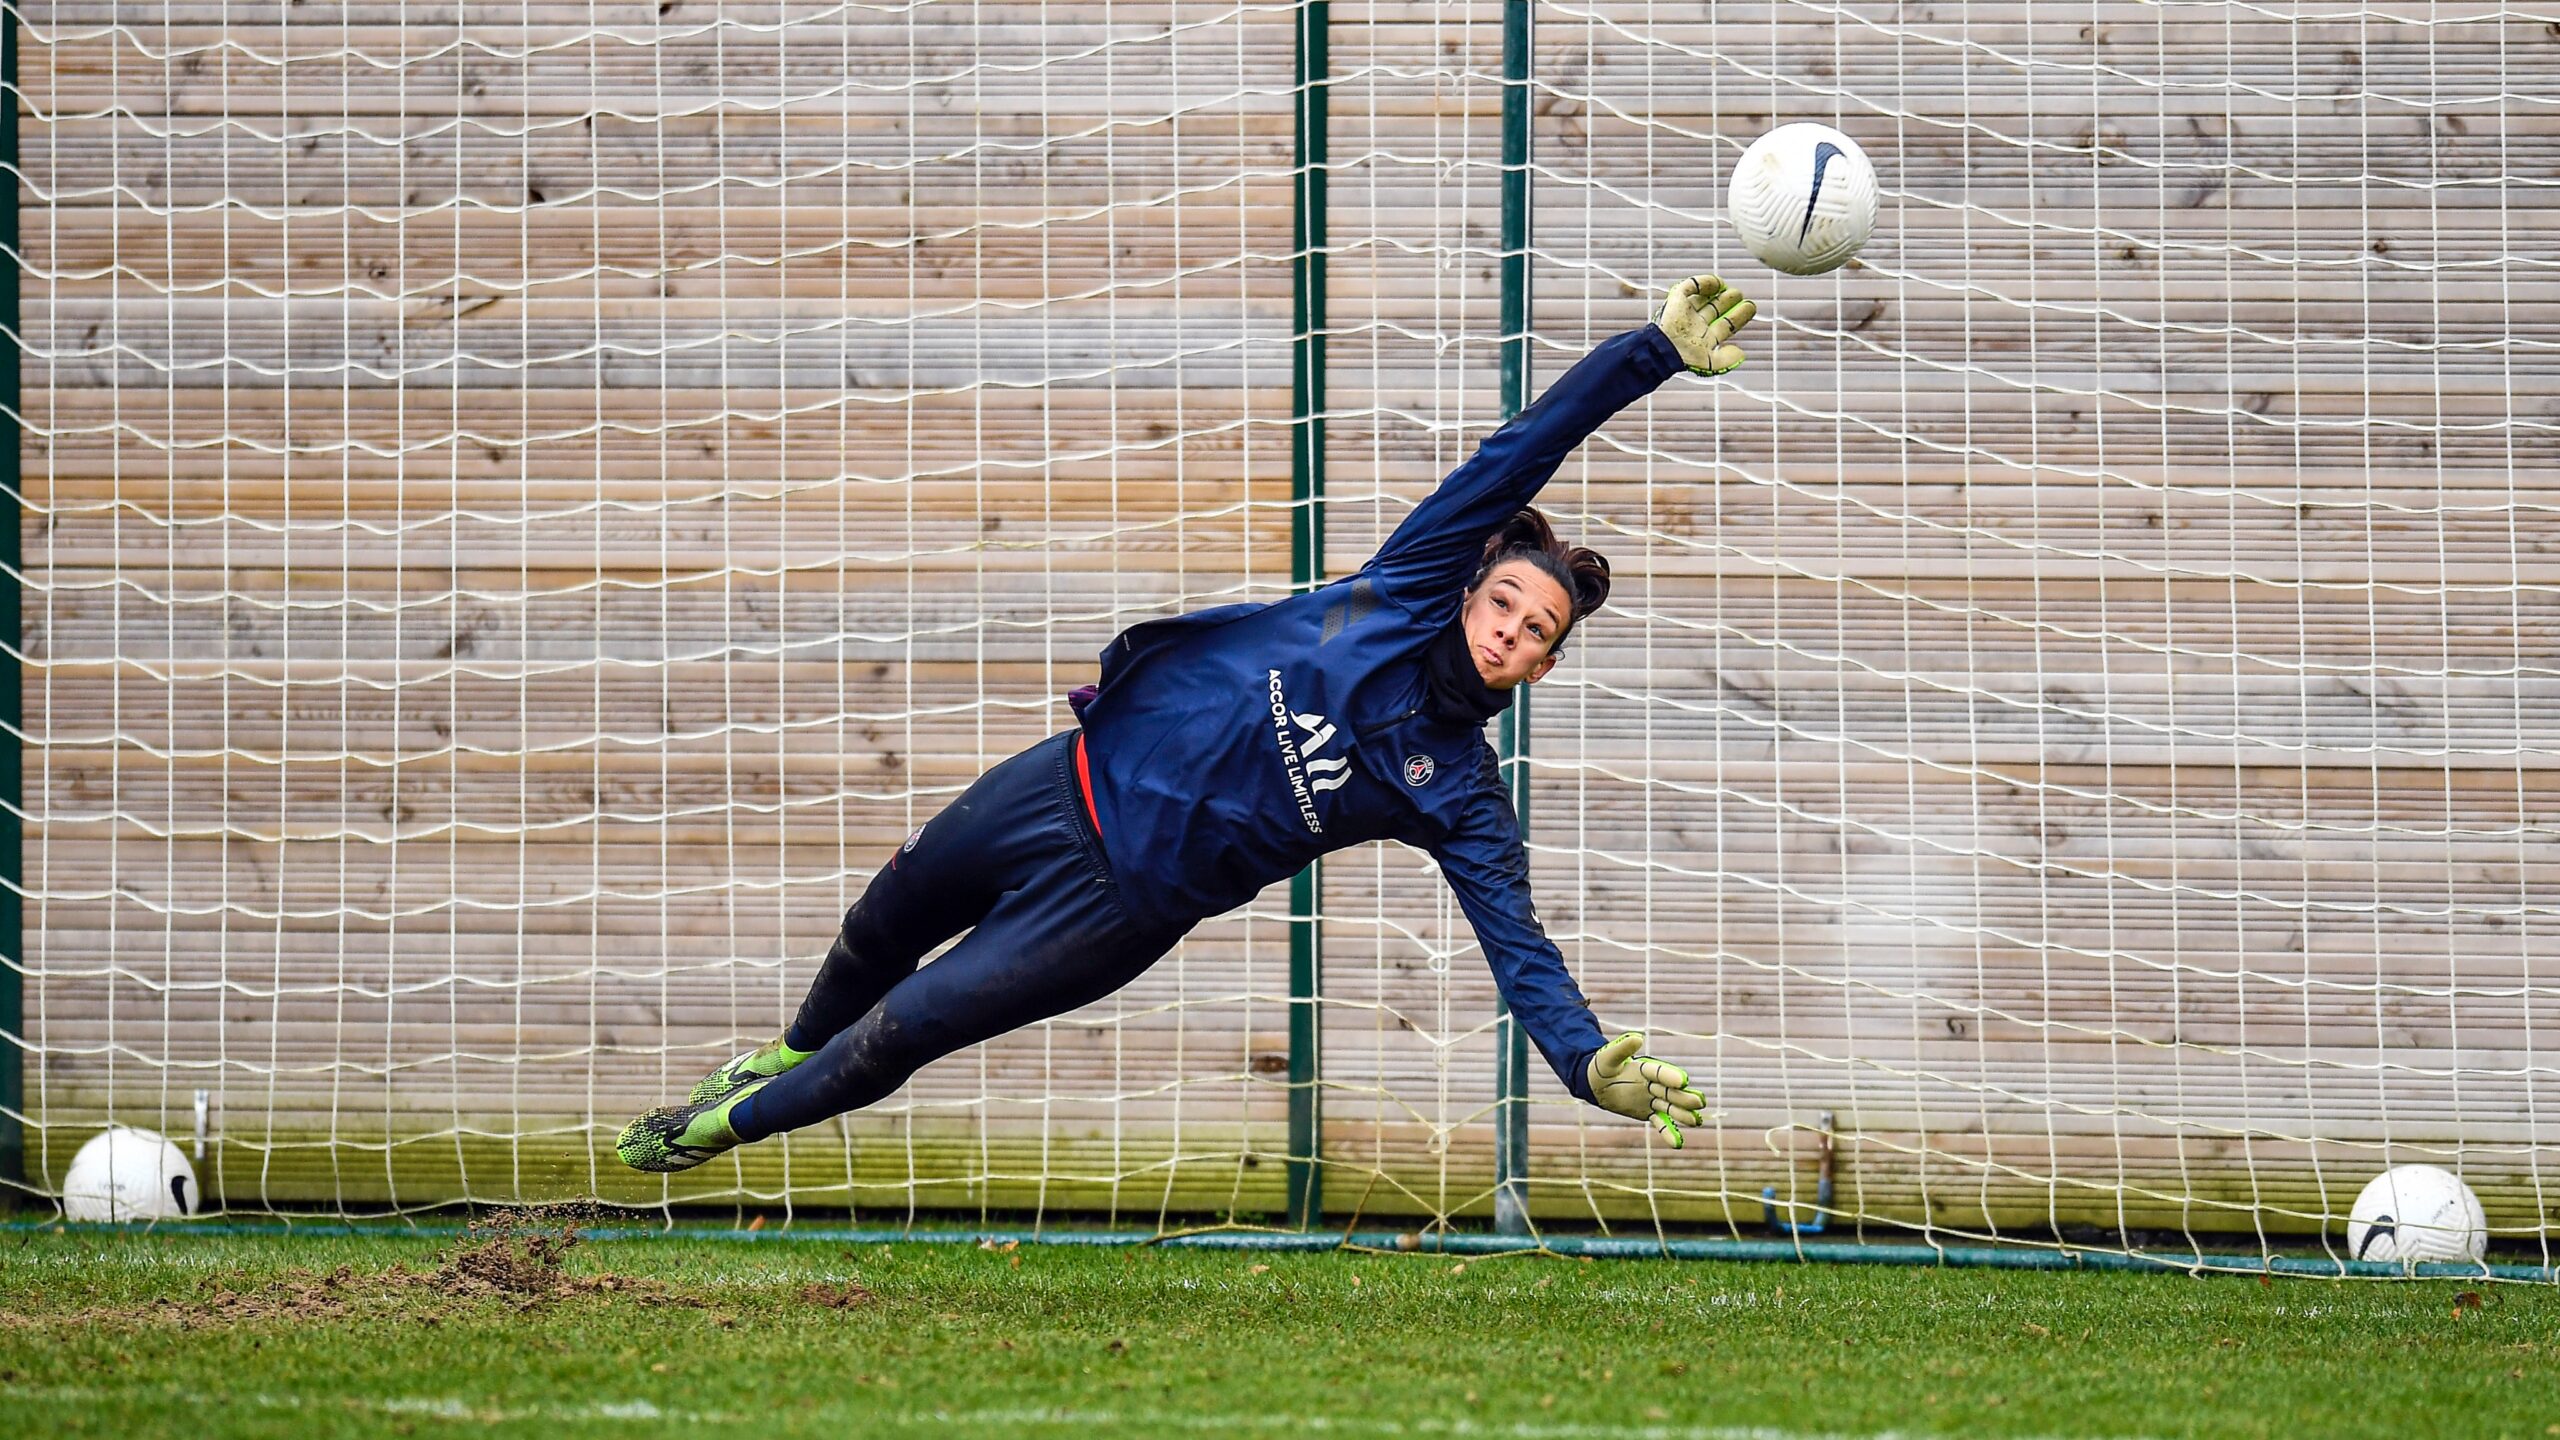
(1224, 750)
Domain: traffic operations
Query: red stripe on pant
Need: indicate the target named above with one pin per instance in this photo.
(1084, 785)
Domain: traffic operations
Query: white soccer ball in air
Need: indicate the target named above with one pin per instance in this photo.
(128, 1174)
(2417, 1212)
(1803, 198)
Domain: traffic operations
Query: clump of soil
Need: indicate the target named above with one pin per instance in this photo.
(850, 1295)
(515, 1253)
(520, 1255)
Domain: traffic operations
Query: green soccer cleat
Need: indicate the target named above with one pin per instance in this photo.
(679, 1137)
(762, 1063)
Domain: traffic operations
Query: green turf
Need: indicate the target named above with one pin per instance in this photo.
(203, 1336)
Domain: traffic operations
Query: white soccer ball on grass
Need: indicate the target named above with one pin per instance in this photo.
(127, 1174)
(2417, 1212)
(1803, 198)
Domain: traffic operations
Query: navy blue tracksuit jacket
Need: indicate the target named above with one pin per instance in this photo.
(1231, 746)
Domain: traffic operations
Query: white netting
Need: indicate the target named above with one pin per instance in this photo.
(528, 503)
(535, 500)
(2081, 719)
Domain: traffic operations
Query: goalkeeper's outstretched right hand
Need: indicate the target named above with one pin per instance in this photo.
(1643, 1088)
(1702, 315)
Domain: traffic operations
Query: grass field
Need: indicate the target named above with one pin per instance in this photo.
(525, 1331)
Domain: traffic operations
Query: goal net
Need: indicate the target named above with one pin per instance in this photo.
(525, 505)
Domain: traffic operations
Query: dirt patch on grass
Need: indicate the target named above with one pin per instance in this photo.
(515, 1258)
(522, 1255)
(851, 1295)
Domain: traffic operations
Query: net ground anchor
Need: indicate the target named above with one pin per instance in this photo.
(1779, 1224)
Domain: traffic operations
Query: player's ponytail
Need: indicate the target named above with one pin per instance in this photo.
(1582, 573)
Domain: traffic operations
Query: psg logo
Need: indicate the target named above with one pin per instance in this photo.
(1417, 770)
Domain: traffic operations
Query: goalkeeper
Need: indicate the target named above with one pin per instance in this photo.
(1224, 750)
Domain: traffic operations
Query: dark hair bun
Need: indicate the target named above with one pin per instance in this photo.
(1581, 573)
(1590, 588)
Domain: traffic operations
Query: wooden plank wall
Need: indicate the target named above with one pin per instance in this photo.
(2079, 706)
(527, 502)
(2085, 700)
(533, 501)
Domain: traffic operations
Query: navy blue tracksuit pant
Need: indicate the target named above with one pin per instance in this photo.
(1015, 857)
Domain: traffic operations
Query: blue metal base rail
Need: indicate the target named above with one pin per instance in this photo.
(1597, 1247)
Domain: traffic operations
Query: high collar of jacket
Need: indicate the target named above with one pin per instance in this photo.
(1452, 690)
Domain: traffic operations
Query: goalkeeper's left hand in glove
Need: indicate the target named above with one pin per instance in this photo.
(1643, 1088)
(1702, 315)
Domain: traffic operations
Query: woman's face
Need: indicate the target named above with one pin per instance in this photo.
(1513, 621)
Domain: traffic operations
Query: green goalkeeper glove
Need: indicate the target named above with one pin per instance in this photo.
(1643, 1088)
(1702, 315)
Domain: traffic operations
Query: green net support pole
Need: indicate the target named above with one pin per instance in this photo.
(1306, 572)
(1511, 1047)
(13, 829)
